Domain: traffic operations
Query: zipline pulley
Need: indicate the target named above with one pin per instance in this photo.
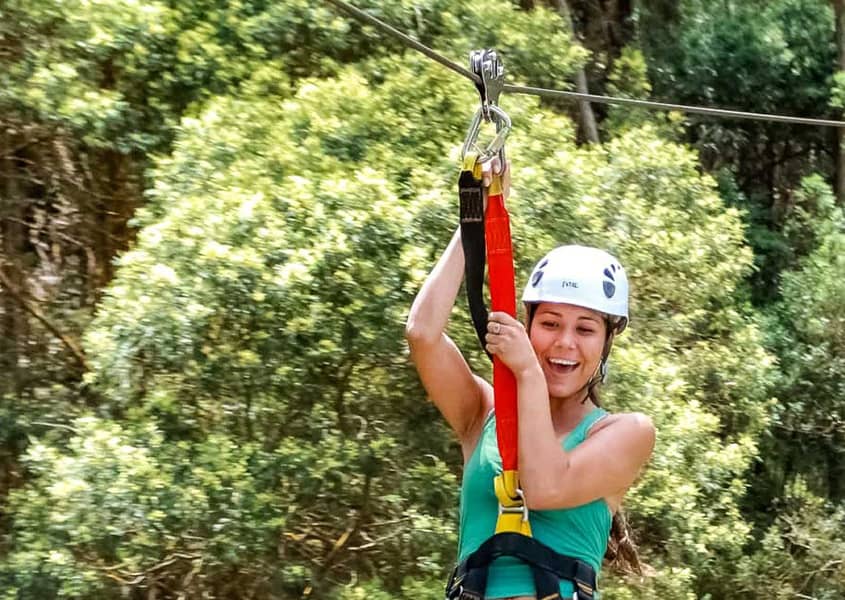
(490, 70)
(491, 73)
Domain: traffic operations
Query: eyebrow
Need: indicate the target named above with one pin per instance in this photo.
(587, 318)
(560, 315)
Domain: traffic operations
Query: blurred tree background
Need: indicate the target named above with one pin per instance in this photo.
(214, 217)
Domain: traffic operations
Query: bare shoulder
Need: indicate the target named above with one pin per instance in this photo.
(636, 420)
(635, 431)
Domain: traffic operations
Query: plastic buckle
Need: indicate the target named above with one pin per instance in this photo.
(453, 581)
(467, 595)
(586, 589)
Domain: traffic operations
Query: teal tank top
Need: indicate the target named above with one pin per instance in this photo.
(581, 532)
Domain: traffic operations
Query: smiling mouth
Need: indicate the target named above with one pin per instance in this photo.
(561, 366)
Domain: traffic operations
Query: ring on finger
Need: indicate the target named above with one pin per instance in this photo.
(498, 328)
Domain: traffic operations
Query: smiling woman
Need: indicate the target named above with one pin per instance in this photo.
(576, 460)
(568, 361)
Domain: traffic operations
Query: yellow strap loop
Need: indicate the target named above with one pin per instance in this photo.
(513, 514)
(495, 185)
(471, 163)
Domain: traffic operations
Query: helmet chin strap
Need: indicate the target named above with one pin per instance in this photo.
(600, 376)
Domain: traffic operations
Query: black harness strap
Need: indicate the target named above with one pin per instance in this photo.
(472, 240)
(469, 580)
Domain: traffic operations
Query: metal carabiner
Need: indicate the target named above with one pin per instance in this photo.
(497, 144)
(491, 73)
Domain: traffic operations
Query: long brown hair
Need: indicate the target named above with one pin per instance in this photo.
(621, 554)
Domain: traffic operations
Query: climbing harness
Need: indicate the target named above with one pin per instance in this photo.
(469, 579)
(486, 237)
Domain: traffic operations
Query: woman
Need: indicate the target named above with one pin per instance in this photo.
(576, 461)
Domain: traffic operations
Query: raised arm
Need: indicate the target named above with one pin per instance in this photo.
(463, 398)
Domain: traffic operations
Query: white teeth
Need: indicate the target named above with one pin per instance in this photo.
(563, 362)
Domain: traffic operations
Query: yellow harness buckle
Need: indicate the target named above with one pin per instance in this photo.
(513, 513)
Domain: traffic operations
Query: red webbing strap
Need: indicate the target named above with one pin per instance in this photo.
(497, 233)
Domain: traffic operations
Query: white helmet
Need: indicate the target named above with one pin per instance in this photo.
(582, 276)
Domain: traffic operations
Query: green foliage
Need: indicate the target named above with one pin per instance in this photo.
(770, 57)
(812, 218)
(797, 555)
(730, 56)
(628, 78)
(807, 331)
(260, 431)
(117, 505)
(79, 64)
(264, 302)
(810, 338)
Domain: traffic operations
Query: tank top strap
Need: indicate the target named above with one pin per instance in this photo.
(575, 437)
(579, 434)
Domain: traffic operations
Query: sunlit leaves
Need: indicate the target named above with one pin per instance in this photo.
(251, 344)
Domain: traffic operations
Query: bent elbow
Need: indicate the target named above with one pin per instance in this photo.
(541, 499)
(541, 494)
(416, 334)
(545, 492)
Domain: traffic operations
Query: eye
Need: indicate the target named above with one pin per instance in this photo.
(586, 330)
(549, 324)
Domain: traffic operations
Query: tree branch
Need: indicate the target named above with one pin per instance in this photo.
(69, 343)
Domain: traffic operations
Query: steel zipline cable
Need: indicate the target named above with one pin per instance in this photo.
(520, 89)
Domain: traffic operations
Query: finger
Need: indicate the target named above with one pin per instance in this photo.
(486, 175)
(496, 165)
(503, 318)
(495, 327)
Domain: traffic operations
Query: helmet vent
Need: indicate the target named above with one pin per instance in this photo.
(608, 284)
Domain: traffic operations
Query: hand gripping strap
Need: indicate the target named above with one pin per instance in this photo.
(471, 195)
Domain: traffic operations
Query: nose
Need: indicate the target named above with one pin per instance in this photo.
(566, 338)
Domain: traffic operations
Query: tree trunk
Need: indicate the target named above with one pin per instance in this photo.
(12, 326)
(839, 154)
(588, 129)
(836, 468)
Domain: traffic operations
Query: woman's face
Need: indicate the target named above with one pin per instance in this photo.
(568, 341)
